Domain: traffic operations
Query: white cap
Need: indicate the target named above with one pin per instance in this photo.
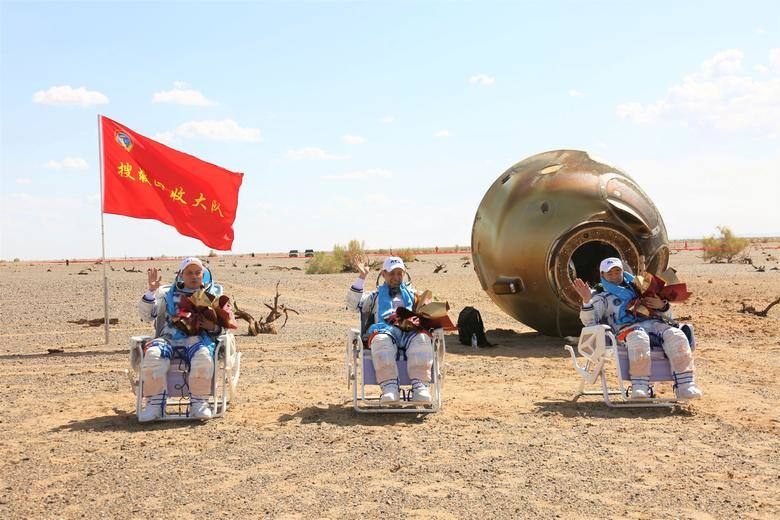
(609, 263)
(189, 260)
(393, 262)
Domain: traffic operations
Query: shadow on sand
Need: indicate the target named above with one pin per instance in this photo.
(509, 343)
(66, 354)
(345, 415)
(123, 420)
(591, 408)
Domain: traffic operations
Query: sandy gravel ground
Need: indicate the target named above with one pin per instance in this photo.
(510, 442)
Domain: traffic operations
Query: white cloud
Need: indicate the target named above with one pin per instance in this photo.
(67, 96)
(774, 61)
(224, 130)
(23, 181)
(747, 205)
(68, 163)
(717, 95)
(386, 119)
(576, 93)
(341, 206)
(762, 69)
(313, 153)
(352, 139)
(168, 138)
(760, 30)
(181, 95)
(482, 79)
(371, 173)
(442, 133)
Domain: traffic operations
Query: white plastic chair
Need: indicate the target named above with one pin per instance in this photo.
(227, 370)
(599, 349)
(360, 374)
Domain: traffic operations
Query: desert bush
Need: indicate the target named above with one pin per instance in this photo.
(355, 250)
(341, 260)
(723, 248)
(407, 255)
(323, 263)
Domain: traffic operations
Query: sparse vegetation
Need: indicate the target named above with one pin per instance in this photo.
(341, 260)
(212, 253)
(355, 250)
(323, 263)
(723, 248)
(407, 255)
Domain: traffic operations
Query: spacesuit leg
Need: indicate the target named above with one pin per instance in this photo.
(154, 367)
(200, 379)
(639, 363)
(678, 350)
(383, 352)
(154, 373)
(419, 354)
(201, 370)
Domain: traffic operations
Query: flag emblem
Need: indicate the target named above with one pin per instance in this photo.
(124, 141)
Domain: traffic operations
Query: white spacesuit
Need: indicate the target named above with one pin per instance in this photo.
(195, 351)
(377, 315)
(610, 307)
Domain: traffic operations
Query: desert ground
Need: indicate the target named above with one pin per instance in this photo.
(509, 443)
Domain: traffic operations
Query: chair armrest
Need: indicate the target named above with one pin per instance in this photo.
(137, 344)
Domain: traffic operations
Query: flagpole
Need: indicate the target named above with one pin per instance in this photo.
(103, 231)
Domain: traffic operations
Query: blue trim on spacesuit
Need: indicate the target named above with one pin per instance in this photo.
(626, 294)
(385, 307)
(167, 350)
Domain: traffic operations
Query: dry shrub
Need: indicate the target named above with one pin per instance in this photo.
(407, 255)
(341, 260)
(323, 263)
(356, 250)
(723, 248)
(212, 253)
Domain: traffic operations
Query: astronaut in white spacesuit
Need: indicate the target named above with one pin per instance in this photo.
(159, 304)
(610, 305)
(380, 329)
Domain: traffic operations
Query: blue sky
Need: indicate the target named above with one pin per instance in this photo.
(385, 122)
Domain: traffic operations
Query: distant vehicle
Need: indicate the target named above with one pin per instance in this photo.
(308, 253)
(293, 253)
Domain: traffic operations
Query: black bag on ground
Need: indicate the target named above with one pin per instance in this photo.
(470, 322)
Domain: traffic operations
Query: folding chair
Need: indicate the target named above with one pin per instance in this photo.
(599, 348)
(227, 370)
(360, 373)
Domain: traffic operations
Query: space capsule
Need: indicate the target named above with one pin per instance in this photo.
(552, 218)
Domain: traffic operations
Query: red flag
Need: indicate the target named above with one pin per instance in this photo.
(146, 179)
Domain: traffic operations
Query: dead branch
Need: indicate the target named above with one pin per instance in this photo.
(267, 325)
(282, 268)
(466, 264)
(96, 322)
(131, 270)
(438, 268)
(749, 309)
(759, 268)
